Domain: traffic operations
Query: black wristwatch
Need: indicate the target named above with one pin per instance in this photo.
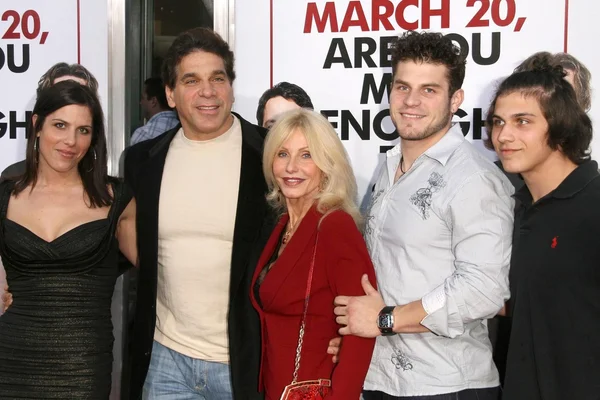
(385, 321)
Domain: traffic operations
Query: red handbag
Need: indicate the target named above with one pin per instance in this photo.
(307, 390)
(315, 389)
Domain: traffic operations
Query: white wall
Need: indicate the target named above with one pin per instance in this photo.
(584, 32)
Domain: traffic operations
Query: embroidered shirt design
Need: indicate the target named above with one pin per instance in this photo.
(400, 360)
(423, 196)
(554, 242)
(370, 216)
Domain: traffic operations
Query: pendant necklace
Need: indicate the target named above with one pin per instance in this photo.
(288, 234)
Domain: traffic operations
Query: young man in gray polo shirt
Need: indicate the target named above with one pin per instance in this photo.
(439, 231)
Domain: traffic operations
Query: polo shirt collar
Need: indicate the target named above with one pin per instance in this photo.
(574, 183)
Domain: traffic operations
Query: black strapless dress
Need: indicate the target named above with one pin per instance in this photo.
(56, 339)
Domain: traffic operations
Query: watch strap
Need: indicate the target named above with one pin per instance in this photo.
(386, 311)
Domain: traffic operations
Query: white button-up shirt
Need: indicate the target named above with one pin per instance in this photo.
(442, 233)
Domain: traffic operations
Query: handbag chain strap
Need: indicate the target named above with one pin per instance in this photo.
(303, 324)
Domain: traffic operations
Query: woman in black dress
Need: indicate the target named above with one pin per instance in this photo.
(61, 227)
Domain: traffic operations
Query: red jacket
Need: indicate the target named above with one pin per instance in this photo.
(340, 261)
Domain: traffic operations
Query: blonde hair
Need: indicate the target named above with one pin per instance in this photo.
(338, 185)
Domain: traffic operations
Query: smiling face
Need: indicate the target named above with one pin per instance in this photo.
(520, 133)
(296, 173)
(420, 105)
(65, 138)
(202, 95)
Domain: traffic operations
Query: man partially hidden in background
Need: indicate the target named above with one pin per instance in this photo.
(159, 116)
(280, 98)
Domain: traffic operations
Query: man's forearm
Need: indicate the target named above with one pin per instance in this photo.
(407, 318)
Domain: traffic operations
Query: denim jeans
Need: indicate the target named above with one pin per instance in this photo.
(173, 376)
(469, 394)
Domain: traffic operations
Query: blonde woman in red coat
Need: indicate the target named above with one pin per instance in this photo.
(313, 187)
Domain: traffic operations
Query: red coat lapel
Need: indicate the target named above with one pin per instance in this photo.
(301, 243)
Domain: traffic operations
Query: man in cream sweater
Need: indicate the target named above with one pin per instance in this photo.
(202, 218)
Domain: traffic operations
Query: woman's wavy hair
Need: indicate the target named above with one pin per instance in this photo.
(338, 189)
(569, 127)
(92, 167)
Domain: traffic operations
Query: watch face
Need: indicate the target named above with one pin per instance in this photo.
(384, 321)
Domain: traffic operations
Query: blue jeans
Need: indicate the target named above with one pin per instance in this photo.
(469, 394)
(173, 376)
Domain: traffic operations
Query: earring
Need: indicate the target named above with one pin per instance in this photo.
(94, 150)
(36, 153)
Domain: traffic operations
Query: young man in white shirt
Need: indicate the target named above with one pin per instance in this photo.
(439, 231)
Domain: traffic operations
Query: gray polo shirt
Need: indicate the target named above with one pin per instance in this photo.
(442, 233)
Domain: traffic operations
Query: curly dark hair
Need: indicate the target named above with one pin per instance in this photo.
(288, 91)
(195, 40)
(431, 47)
(569, 127)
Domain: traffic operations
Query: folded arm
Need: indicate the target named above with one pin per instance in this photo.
(481, 219)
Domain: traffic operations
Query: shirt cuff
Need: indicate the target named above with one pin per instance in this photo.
(434, 300)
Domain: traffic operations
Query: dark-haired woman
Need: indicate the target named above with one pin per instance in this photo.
(61, 226)
(540, 132)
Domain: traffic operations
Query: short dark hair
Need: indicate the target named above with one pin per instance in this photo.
(196, 39)
(288, 91)
(93, 166)
(63, 69)
(434, 48)
(154, 88)
(569, 127)
(581, 74)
